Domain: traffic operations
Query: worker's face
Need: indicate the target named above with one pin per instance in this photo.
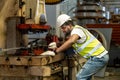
(66, 29)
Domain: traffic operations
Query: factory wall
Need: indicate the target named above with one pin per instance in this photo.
(52, 12)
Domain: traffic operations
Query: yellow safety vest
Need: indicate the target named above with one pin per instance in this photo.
(90, 47)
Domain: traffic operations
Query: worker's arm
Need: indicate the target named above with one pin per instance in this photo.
(68, 43)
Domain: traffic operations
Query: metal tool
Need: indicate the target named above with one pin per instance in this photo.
(9, 49)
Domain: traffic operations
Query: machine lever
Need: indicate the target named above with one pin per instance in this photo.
(8, 49)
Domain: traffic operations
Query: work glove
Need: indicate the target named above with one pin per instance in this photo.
(52, 45)
(51, 49)
(48, 53)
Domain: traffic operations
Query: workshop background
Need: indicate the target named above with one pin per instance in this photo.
(28, 26)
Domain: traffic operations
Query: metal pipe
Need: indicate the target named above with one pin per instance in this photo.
(111, 2)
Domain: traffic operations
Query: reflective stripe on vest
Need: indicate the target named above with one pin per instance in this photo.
(90, 47)
(92, 51)
(85, 44)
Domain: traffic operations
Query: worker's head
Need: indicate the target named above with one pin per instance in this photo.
(65, 23)
(62, 19)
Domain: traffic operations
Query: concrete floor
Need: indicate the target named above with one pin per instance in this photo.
(111, 73)
(108, 78)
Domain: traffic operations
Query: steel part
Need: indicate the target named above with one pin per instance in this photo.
(40, 9)
(8, 49)
(33, 27)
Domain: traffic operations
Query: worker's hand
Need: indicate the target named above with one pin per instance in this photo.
(52, 46)
(48, 53)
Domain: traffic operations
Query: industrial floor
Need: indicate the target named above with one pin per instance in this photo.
(110, 74)
(108, 78)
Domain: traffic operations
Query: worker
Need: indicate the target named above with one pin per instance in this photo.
(84, 44)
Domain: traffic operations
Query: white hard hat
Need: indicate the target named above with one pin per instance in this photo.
(62, 19)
